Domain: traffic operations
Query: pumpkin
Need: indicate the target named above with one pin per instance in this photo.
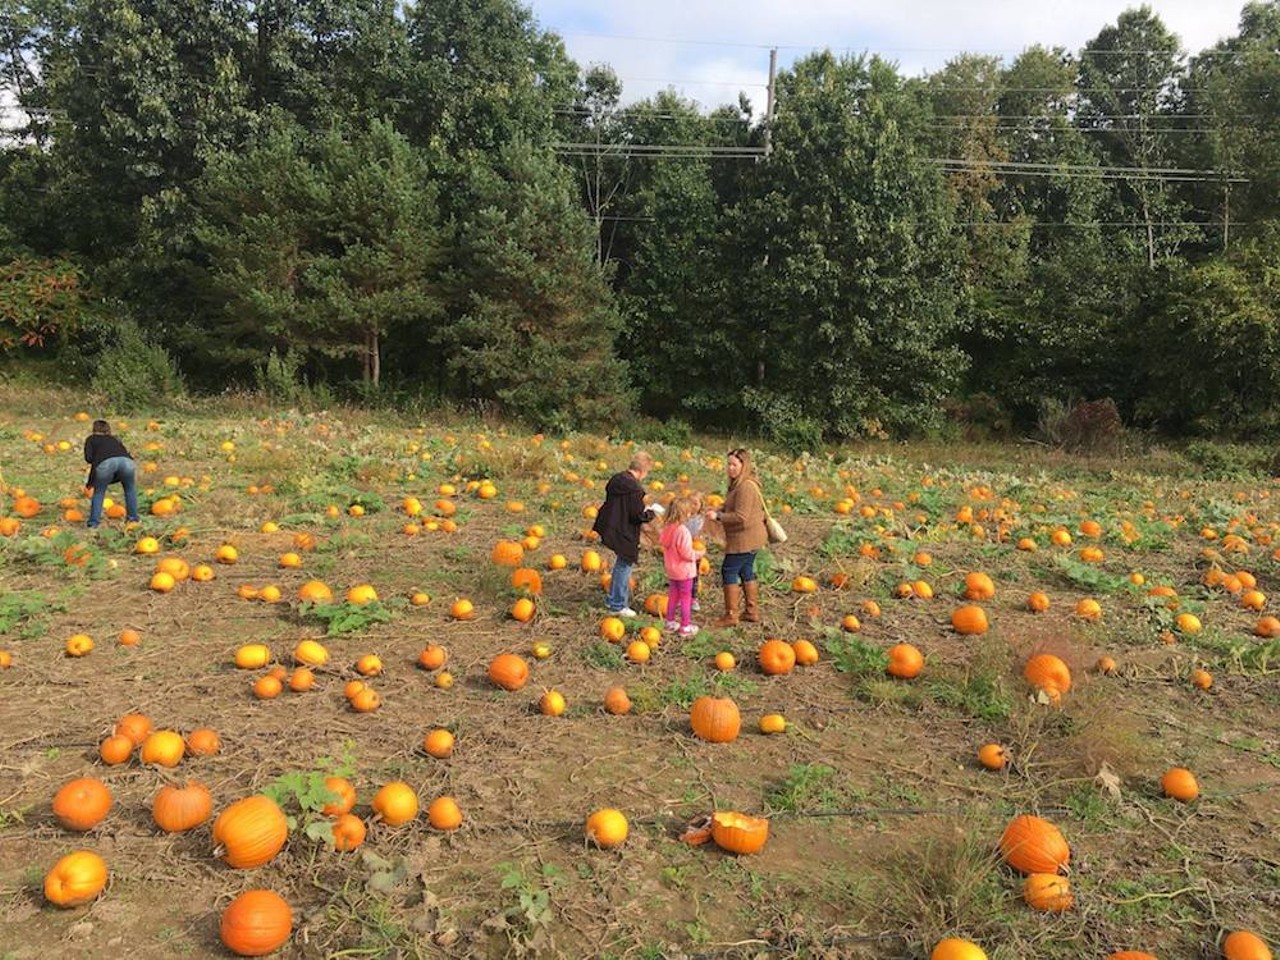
(552, 704)
(509, 671)
(806, 653)
(164, 748)
(953, 948)
(978, 586)
(776, 657)
(250, 832)
(1030, 844)
(396, 803)
(1047, 672)
(252, 656)
(462, 609)
(75, 879)
(507, 553)
(1243, 945)
(343, 794)
(81, 804)
(993, 756)
(349, 832)
(607, 827)
(905, 661)
(773, 723)
(438, 743)
(523, 610)
(361, 594)
(616, 701)
(203, 742)
(315, 591)
(738, 832)
(613, 629)
(256, 923)
(176, 809)
(1048, 892)
(116, 749)
(1038, 602)
(715, 719)
(1180, 784)
(970, 620)
(443, 813)
(527, 579)
(1132, 955)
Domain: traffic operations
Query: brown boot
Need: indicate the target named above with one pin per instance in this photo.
(751, 589)
(732, 597)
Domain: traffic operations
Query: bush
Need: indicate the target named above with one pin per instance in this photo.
(280, 377)
(132, 373)
(1087, 426)
(1229, 461)
(783, 421)
(674, 432)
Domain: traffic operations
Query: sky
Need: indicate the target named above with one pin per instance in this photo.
(709, 50)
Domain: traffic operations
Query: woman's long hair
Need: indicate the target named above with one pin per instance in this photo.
(748, 469)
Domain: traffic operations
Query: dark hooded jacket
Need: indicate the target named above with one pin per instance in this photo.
(622, 515)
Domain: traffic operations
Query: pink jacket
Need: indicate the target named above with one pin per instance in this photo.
(678, 556)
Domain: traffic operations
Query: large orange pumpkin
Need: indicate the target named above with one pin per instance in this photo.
(251, 831)
(905, 661)
(81, 804)
(776, 657)
(715, 719)
(509, 671)
(1033, 845)
(970, 620)
(75, 879)
(507, 553)
(256, 923)
(176, 809)
(978, 586)
(738, 832)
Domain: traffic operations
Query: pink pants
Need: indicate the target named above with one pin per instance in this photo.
(680, 598)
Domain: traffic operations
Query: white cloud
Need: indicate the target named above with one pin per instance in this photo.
(661, 43)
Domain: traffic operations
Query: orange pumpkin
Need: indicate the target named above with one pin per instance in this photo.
(509, 671)
(344, 796)
(203, 742)
(82, 804)
(164, 748)
(1180, 784)
(616, 701)
(978, 586)
(776, 657)
(444, 813)
(507, 553)
(75, 879)
(116, 749)
(256, 923)
(1244, 945)
(250, 832)
(905, 661)
(1033, 845)
(396, 803)
(438, 743)
(738, 832)
(176, 809)
(970, 620)
(953, 948)
(1048, 892)
(349, 832)
(1049, 673)
(527, 579)
(715, 719)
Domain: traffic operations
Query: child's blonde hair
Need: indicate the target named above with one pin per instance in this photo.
(681, 509)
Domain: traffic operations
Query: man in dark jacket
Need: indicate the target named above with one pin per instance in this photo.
(619, 522)
(109, 462)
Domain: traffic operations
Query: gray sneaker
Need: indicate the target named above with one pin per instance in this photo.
(626, 613)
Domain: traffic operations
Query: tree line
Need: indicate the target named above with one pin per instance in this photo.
(434, 201)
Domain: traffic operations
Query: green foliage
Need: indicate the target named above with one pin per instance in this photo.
(528, 918)
(302, 794)
(23, 613)
(807, 788)
(604, 656)
(1215, 460)
(854, 656)
(133, 373)
(40, 301)
(1088, 576)
(979, 693)
(345, 617)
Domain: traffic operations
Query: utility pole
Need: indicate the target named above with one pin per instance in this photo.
(769, 103)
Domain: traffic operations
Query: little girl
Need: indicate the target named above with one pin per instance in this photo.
(681, 563)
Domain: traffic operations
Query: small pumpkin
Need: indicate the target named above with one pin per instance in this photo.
(344, 796)
(349, 832)
(905, 661)
(164, 748)
(1030, 844)
(1245, 945)
(616, 701)
(82, 804)
(1180, 784)
(443, 813)
(607, 828)
(396, 803)
(953, 948)
(1049, 673)
(978, 586)
(1048, 892)
(438, 743)
(116, 749)
(250, 832)
(75, 879)
(738, 832)
(176, 809)
(715, 719)
(256, 923)
(970, 620)
(507, 553)
(993, 756)
(203, 742)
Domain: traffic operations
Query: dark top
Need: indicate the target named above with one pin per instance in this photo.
(622, 515)
(99, 447)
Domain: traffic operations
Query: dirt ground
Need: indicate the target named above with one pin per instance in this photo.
(883, 826)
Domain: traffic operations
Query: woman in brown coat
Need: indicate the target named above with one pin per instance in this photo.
(742, 517)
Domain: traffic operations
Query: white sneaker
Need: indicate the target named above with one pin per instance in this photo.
(690, 631)
(673, 626)
(626, 613)
(696, 606)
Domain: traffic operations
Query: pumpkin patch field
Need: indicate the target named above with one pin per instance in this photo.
(349, 689)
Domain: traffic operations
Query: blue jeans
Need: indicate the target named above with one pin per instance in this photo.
(620, 585)
(109, 471)
(738, 567)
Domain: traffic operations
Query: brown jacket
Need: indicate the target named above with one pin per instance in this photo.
(743, 518)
